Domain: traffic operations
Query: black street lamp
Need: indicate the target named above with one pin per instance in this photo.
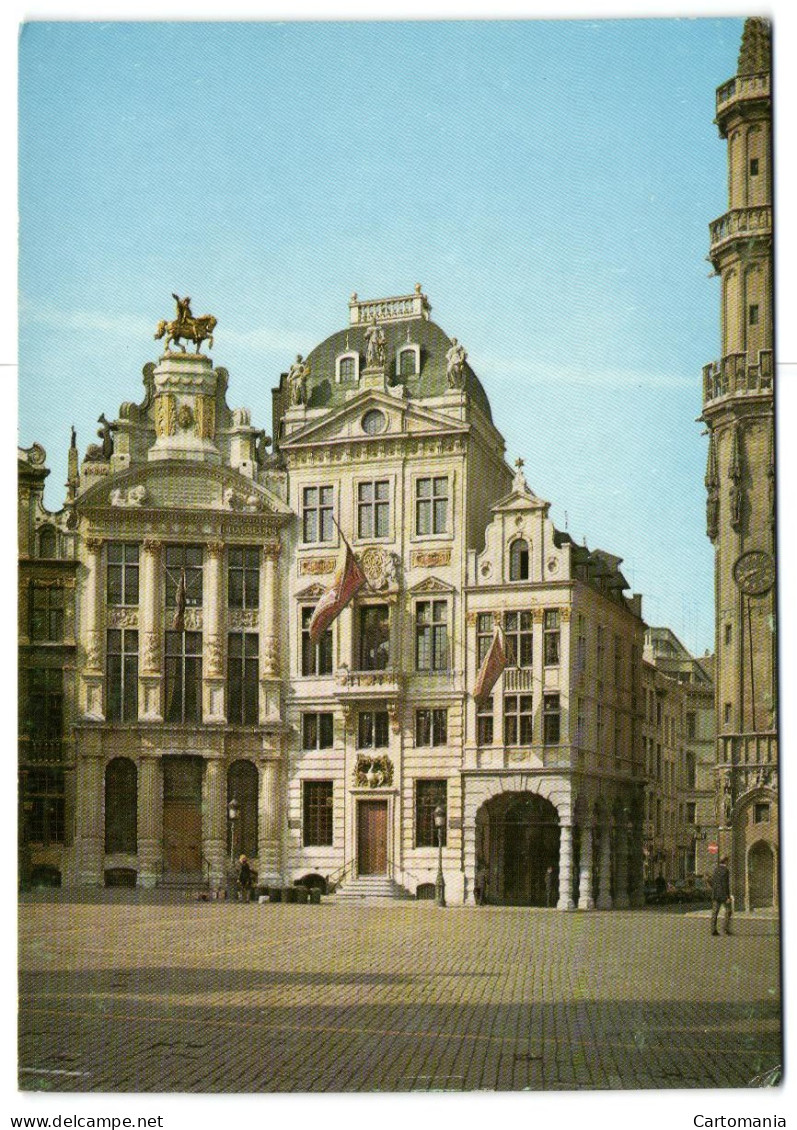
(440, 883)
(232, 815)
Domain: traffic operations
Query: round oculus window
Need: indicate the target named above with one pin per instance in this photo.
(374, 422)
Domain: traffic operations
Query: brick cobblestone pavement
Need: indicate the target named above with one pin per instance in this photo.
(150, 995)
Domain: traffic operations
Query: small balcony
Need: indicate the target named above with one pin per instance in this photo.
(741, 88)
(386, 683)
(740, 223)
(752, 750)
(734, 375)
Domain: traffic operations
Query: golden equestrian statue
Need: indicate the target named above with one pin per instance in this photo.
(186, 326)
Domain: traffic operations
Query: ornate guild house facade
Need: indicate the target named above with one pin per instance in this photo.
(188, 563)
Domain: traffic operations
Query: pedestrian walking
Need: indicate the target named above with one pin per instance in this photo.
(480, 882)
(721, 896)
(245, 879)
(549, 886)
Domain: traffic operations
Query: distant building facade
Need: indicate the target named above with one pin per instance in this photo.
(740, 481)
(194, 558)
(678, 741)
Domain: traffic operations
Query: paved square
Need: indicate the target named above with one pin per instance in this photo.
(134, 996)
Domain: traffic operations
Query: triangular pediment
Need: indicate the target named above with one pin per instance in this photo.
(520, 501)
(312, 592)
(179, 486)
(431, 585)
(346, 424)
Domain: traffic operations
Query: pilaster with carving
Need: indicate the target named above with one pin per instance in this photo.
(150, 631)
(213, 635)
(92, 631)
(269, 633)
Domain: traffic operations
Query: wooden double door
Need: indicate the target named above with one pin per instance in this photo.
(372, 837)
(182, 814)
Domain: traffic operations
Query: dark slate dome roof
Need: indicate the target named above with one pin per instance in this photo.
(324, 392)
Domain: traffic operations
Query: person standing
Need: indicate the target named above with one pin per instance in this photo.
(721, 896)
(245, 879)
(549, 882)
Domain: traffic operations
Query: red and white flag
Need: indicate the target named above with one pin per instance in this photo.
(491, 668)
(178, 623)
(348, 582)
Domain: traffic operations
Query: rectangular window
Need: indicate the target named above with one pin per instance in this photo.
(45, 713)
(428, 795)
(431, 505)
(374, 637)
(317, 508)
(691, 724)
(753, 166)
(550, 641)
(431, 635)
(690, 811)
(581, 646)
(373, 509)
(761, 813)
(599, 723)
(122, 579)
(242, 678)
(599, 652)
(316, 813)
(243, 576)
(46, 612)
(431, 727)
(316, 657)
(518, 719)
(184, 559)
(728, 635)
(184, 677)
(317, 731)
(372, 729)
(752, 314)
(518, 639)
(551, 717)
(618, 662)
(44, 806)
(727, 713)
(581, 725)
(121, 675)
(485, 629)
(484, 722)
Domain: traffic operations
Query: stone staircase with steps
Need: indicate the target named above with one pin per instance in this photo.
(371, 888)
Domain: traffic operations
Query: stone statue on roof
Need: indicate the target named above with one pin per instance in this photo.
(375, 353)
(297, 381)
(455, 364)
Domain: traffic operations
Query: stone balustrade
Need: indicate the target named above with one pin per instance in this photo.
(740, 222)
(742, 88)
(734, 375)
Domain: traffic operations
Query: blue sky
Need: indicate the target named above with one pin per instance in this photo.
(550, 184)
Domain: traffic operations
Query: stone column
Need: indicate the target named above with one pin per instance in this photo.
(213, 709)
(585, 899)
(269, 633)
(92, 627)
(565, 867)
(150, 632)
(269, 823)
(90, 829)
(215, 830)
(621, 901)
(604, 900)
(150, 821)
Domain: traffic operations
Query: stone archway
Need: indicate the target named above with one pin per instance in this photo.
(760, 876)
(518, 836)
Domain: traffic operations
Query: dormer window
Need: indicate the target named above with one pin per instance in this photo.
(408, 361)
(519, 560)
(347, 368)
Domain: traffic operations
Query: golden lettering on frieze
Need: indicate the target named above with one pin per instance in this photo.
(314, 566)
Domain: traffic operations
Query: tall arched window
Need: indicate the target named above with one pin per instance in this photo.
(121, 802)
(519, 560)
(242, 784)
